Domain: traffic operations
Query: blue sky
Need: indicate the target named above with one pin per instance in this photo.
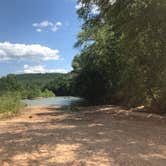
(37, 35)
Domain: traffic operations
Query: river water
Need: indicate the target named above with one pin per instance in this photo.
(54, 101)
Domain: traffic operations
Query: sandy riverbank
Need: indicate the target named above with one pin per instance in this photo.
(94, 136)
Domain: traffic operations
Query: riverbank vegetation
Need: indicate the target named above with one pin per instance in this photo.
(10, 104)
(14, 88)
(32, 85)
(122, 59)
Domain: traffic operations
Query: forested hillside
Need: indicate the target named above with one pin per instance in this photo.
(123, 47)
(40, 79)
(35, 85)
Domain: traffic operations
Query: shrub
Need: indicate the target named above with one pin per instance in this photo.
(10, 104)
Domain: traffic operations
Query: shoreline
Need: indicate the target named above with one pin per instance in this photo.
(103, 108)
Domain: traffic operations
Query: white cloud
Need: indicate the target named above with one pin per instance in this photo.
(56, 26)
(42, 69)
(35, 52)
(47, 24)
(42, 24)
(39, 30)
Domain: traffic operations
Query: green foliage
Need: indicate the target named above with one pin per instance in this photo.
(61, 86)
(47, 93)
(33, 93)
(38, 80)
(10, 104)
(122, 58)
(13, 88)
(31, 86)
(9, 83)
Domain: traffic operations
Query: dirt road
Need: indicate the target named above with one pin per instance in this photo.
(95, 136)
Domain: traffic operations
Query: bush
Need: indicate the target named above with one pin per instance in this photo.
(10, 104)
(47, 93)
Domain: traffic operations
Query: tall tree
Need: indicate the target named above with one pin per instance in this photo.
(123, 41)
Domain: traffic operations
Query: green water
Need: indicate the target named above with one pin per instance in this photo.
(54, 101)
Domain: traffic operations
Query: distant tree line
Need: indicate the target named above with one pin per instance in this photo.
(13, 88)
(30, 86)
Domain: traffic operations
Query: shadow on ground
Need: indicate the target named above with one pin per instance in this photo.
(62, 138)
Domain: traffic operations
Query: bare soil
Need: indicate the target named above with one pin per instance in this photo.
(94, 136)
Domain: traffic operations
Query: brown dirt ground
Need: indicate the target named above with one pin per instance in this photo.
(94, 136)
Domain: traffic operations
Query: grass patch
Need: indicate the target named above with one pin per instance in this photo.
(10, 105)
